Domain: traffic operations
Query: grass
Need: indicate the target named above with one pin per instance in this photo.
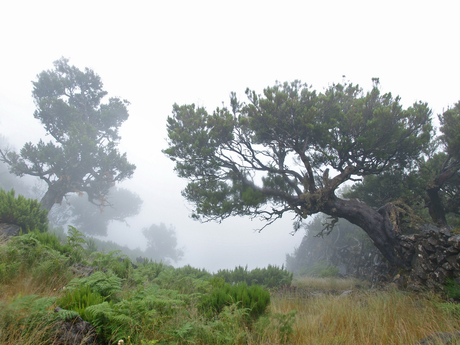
(311, 311)
(364, 316)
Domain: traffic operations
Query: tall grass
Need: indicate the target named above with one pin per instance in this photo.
(364, 317)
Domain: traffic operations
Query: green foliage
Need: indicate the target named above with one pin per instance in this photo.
(28, 313)
(331, 271)
(79, 299)
(344, 128)
(277, 323)
(451, 309)
(321, 269)
(26, 254)
(105, 284)
(147, 272)
(272, 276)
(254, 298)
(450, 128)
(184, 280)
(452, 289)
(23, 212)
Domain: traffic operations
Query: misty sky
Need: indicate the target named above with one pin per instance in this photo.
(156, 53)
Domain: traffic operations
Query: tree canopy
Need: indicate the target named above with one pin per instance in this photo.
(91, 219)
(162, 243)
(82, 155)
(275, 153)
(430, 186)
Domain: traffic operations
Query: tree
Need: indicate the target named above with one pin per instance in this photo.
(10, 181)
(162, 243)
(274, 154)
(92, 219)
(446, 178)
(430, 187)
(82, 155)
(317, 252)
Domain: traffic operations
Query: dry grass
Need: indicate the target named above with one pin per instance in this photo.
(362, 317)
(24, 285)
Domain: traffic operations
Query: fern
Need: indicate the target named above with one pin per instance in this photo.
(105, 284)
(67, 315)
(110, 324)
(79, 299)
(27, 313)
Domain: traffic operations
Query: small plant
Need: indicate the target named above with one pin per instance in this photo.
(452, 289)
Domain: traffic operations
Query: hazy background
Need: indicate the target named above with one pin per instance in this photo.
(156, 53)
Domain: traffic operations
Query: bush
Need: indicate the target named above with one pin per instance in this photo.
(331, 271)
(272, 276)
(254, 298)
(26, 213)
(321, 269)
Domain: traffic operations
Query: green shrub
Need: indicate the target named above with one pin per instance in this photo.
(321, 269)
(272, 276)
(331, 271)
(254, 298)
(26, 213)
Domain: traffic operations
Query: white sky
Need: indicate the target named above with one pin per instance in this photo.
(156, 53)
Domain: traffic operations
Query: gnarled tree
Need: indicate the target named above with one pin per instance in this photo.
(289, 149)
(82, 155)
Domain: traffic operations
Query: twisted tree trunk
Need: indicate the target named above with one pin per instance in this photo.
(377, 224)
(51, 197)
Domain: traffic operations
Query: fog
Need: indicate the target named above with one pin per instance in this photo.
(155, 54)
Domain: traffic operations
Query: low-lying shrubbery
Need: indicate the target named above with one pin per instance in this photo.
(145, 302)
(154, 303)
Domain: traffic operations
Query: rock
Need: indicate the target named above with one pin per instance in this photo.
(74, 332)
(440, 338)
(132, 264)
(8, 230)
(447, 266)
(346, 293)
(445, 231)
(441, 255)
(81, 270)
(454, 241)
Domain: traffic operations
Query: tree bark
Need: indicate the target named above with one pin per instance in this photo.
(50, 198)
(377, 225)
